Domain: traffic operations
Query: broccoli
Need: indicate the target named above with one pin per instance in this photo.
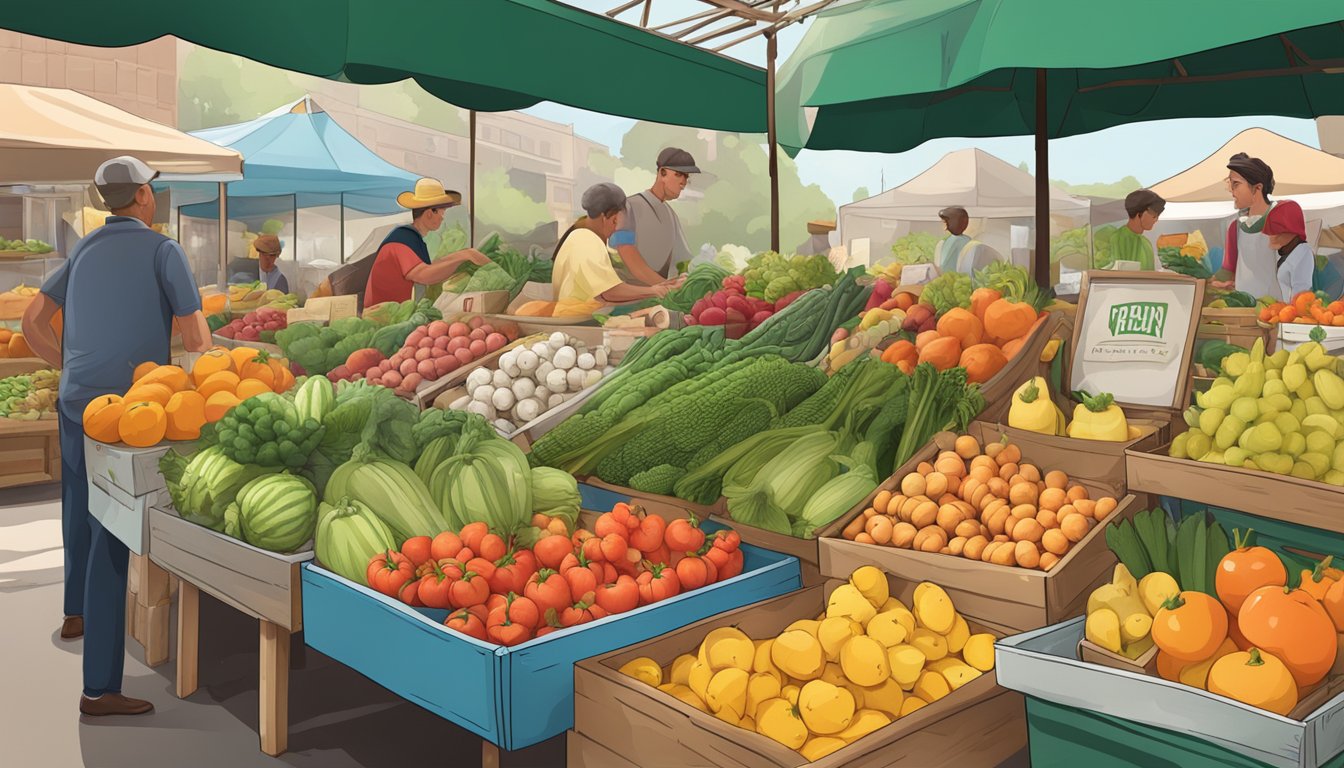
(265, 430)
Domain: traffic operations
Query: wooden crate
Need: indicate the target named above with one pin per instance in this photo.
(133, 470)
(123, 515)
(261, 584)
(1146, 664)
(1098, 462)
(1264, 494)
(30, 452)
(980, 724)
(1008, 598)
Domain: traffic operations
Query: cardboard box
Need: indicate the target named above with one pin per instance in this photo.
(1264, 494)
(1099, 462)
(1008, 598)
(1293, 335)
(258, 582)
(134, 470)
(1145, 664)
(980, 724)
(124, 516)
(1042, 665)
(522, 695)
(476, 302)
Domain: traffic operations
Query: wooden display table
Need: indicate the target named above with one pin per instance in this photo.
(261, 584)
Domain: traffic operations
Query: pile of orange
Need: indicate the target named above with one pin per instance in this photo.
(1306, 308)
(167, 402)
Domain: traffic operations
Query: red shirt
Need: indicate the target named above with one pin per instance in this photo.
(387, 278)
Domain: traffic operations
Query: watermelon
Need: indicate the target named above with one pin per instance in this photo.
(492, 483)
(277, 512)
(314, 399)
(348, 536)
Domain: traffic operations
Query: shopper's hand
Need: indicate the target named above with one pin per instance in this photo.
(475, 256)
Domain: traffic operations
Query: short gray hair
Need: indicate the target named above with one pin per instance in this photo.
(603, 198)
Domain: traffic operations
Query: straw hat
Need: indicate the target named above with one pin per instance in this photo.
(429, 193)
(267, 244)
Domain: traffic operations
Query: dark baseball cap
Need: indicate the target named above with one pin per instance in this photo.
(118, 179)
(675, 159)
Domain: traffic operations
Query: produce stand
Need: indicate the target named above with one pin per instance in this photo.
(1235, 326)
(1100, 462)
(524, 693)
(124, 483)
(30, 451)
(257, 582)
(979, 724)
(1042, 665)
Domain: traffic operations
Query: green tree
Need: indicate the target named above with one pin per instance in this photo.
(215, 88)
(1114, 190)
(503, 208)
(861, 193)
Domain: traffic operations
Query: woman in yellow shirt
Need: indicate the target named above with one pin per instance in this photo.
(583, 276)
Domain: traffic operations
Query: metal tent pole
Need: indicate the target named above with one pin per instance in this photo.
(223, 237)
(471, 179)
(1041, 259)
(770, 51)
(341, 246)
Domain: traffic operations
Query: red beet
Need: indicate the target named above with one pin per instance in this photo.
(713, 316)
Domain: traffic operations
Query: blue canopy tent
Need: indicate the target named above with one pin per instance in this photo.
(297, 154)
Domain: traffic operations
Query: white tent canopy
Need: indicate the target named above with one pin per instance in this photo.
(987, 187)
(1300, 171)
(55, 135)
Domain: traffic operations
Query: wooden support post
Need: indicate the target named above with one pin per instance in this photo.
(771, 138)
(489, 755)
(471, 178)
(188, 638)
(1041, 258)
(273, 689)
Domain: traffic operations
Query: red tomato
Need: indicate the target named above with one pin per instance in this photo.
(694, 572)
(508, 577)
(471, 589)
(467, 623)
(580, 613)
(527, 562)
(492, 547)
(581, 579)
(660, 556)
(726, 554)
(410, 594)
(548, 589)
(445, 545)
(551, 551)
(499, 628)
(658, 583)
(434, 588)
(417, 550)
(620, 596)
(481, 567)
(388, 572)
(615, 521)
(494, 601)
(546, 630)
(614, 547)
(472, 534)
(684, 535)
(648, 537)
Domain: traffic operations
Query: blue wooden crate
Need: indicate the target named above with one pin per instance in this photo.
(511, 697)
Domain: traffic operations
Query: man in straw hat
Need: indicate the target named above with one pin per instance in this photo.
(121, 289)
(403, 259)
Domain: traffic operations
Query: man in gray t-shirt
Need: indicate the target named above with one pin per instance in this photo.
(121, 288)
(650, 240)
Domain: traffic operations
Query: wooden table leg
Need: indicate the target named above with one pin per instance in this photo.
(489, 755)
(188, 638)
(273, 688)
(150, 614)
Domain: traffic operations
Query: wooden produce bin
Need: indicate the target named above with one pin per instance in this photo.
(1235, 325)
(124, 483)
(1193, 726)
(30, 451)
(428, 391)
(522, 695)
(1007, 598)
(260, 583)
(1099, 462)
(979, 724)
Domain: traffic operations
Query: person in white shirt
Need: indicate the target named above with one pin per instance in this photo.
(650, 241)
(1286, 228)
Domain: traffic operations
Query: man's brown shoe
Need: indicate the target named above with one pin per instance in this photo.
(113, 704)
(72, 627)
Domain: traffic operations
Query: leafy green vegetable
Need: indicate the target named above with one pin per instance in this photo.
(490, 277)
(771, 276)
(1190, 266)
(703, 279)
(951, 289)
(266, 430)
(938, 401)
(915, 248)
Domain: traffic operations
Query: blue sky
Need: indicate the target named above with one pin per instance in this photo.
(1148, 151)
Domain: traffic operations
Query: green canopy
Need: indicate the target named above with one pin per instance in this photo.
(888, 75)
(487, 56)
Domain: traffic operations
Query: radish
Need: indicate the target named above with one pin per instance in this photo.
(458, 329)
(495, 341)
(477, 334)
(438, 329)
(477, 348)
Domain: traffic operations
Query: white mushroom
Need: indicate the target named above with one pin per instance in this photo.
(543, 371)
(600, 357)
(509, 358)
(502, 399)
(586, 361)
(501, 379)
(575, 378)
(505, 426)
(556, 341)
(460, 403)
(477, 378)
(527, 361)
(555, 401)
(511, 369)
(542, 349)
(541, 393)
(556, 381)
(565, 357)
(482, 408)
(528, 409)
(591, 378)
(483, 394)
(523, 388)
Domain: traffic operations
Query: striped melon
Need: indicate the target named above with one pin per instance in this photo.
(348, 536)
(314, 399)
(277, 512)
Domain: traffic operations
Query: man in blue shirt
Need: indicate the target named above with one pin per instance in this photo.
(120, 288)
